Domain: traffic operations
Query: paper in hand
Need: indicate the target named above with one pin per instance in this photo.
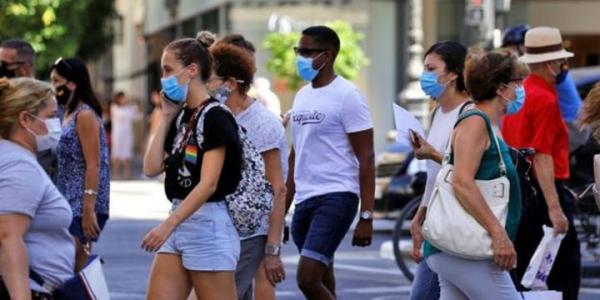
(404, 121)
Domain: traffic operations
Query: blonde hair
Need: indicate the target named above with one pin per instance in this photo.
(18, 95)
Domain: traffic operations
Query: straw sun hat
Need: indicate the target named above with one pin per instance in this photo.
(543, 44)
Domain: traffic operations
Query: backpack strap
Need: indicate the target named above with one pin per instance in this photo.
(189, 129)
(465, 106)
(433, 113)
(199, 126)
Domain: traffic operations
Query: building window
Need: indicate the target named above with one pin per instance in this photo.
(209, 21)
(118, 29)
(188, 28)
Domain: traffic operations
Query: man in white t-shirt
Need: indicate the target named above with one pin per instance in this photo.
(331, 163)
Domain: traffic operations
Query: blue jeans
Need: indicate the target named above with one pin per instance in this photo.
(426, 285)
(320, 224)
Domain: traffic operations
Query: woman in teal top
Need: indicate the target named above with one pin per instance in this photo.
(495, 86)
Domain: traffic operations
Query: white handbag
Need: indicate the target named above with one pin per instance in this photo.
(449, 227)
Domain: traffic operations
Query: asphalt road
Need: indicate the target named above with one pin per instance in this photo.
(362, 273)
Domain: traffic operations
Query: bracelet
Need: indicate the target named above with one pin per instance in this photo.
(90, 192)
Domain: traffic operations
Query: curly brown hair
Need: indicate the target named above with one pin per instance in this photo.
(486, 71)
(590, 113)
(238, 40)
(231, 61)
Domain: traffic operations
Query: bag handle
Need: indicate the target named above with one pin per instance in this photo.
(491, 133)
(198, 111)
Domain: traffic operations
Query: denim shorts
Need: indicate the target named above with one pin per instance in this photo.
(207, 240)
(320, 224)
(76, 230)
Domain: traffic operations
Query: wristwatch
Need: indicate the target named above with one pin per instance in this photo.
(366, 215)
(272, 250)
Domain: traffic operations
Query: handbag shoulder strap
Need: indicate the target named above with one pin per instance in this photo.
(37, 278)
(465, 106)
(491, 133)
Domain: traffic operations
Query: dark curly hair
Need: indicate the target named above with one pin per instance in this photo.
(231, 61)
(486, 71)
(238, 40)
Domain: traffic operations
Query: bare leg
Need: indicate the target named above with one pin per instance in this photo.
(81, 255)
(310, 278)
(214, 285)
(263, 290)
(329, 280)
(168, 279)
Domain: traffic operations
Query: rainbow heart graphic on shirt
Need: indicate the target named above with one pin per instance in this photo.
(191, 154)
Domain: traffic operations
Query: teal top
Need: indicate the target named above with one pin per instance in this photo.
(489, 169)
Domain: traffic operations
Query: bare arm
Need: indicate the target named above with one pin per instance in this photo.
(543, 167)
(155, 154)
(290, 184)
(274, 269)
(88, 131)
(362, 144)
(212, 165)
(470, 142)
(14, 264)
(274, 174)
(425, 151)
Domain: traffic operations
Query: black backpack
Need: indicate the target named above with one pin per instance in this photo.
(525, 171)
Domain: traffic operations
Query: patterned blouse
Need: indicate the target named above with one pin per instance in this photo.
(70, 173)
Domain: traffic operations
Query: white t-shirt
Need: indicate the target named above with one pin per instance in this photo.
(265, 131)
(321, 119)
(438, 137)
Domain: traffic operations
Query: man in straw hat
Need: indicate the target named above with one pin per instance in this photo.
(539, 125)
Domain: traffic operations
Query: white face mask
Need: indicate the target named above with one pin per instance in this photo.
(51, 139)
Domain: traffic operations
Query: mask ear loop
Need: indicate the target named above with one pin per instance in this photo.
(41, 120)
(552, 71)
(314, 58)
(447, 82)
(506, 99)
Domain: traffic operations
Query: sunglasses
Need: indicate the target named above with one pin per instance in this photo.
(15, 63)
(307, 51)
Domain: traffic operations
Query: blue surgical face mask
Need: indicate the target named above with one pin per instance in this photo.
(561, 75)
(515, 106)
(430, 85)
(304, 66)
(172, 90)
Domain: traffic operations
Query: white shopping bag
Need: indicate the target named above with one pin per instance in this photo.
(541, 295)
(541, 263)
(93, 278)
